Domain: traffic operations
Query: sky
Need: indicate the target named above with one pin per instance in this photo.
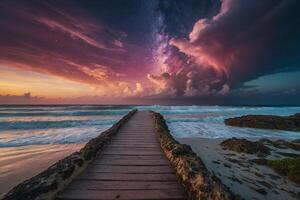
(225, 52)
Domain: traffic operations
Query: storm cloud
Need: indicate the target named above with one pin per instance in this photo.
(242, 41)
(186, 50)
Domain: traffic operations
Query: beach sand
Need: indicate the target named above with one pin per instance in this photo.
(247, 179)
(21, 163)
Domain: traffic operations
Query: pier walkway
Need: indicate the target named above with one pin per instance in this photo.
(132, 166)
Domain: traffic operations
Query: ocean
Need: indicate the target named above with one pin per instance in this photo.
(32, 137)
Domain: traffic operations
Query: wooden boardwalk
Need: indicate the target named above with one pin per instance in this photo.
(132, 166)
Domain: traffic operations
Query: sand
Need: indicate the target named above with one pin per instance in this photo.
(249, 180)
(20, 163)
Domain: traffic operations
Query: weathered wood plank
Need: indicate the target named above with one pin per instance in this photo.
(127, 177)
(129, 169)
(129, 162)
(137, 157)
(131, 153)
(132, 143)
(140, 140)
(135, 140)
(135, 149)
(123, 194)
(129, 146)
(123, 185)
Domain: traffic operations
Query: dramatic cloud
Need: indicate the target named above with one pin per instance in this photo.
(50, 39)
(244, 40)
(148, 49)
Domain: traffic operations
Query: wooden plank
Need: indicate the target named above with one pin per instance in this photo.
(123, 194)
(132, 162)
(157, 149)
(131, 153)
(129, 169)
(133, 143)
(127, 177)
(134, 140)
(129, 146)
(138, 133)
(123, 185)
(136, 157)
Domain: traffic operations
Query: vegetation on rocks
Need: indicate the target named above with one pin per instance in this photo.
(289, 167)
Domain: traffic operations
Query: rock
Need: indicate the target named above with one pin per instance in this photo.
(227, 165)
(245, 146)
(259, 175)
(259, 161)
(291, 123)
(216, 162)
(234, 179)
(260, 190)
(266, 184)
(296, 141)
(292, 155)
(273, 176)
(282, 144)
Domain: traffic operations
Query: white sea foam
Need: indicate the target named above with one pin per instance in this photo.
(50, 136)
(78, 124)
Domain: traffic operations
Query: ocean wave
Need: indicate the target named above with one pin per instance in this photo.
(52, 136)
(28, 125)
(63, 113)
(59, 108)
(217, 119)
(226, 110)
(219, 130)
(77, 124)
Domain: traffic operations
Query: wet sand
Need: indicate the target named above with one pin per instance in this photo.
(247, 179)
(21, 163)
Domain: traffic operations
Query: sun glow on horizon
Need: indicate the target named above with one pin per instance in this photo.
(15, 81)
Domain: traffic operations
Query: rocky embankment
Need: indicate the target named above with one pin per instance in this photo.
(290, 123)
(46, 185)
(198, 181)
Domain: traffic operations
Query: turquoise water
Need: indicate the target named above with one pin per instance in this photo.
(36, 125)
